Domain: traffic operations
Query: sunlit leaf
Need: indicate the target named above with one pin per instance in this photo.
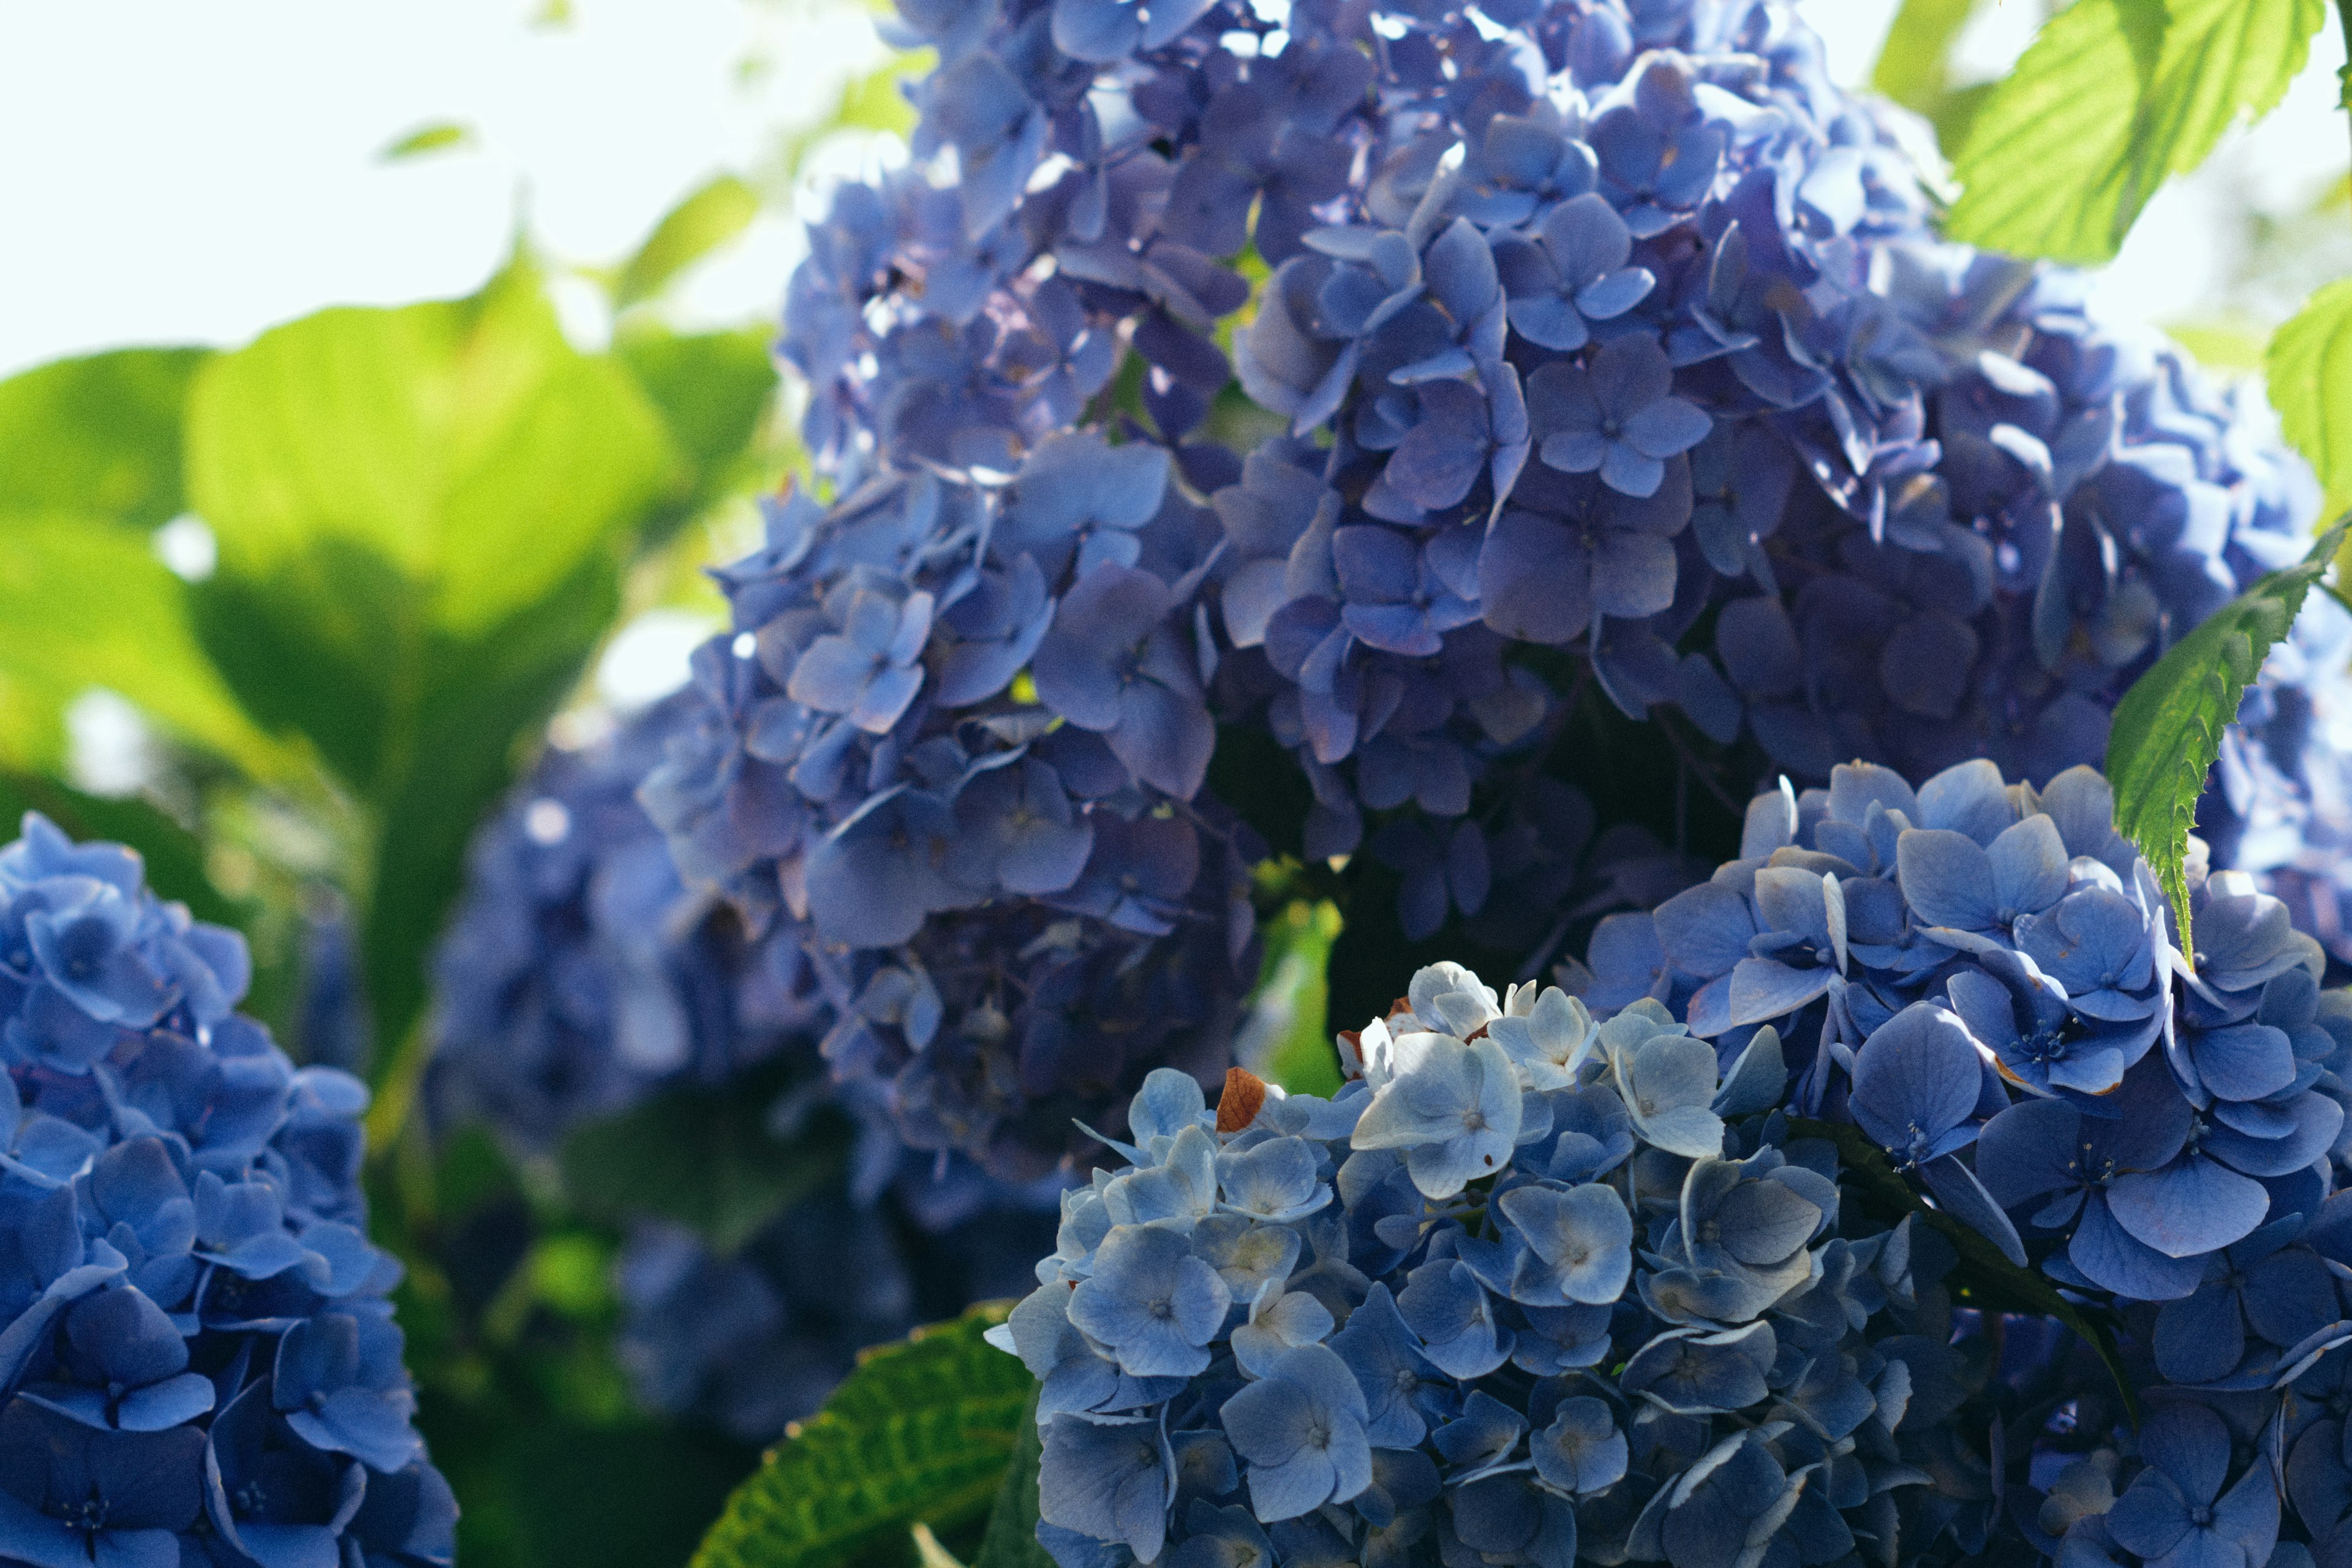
(440, 136)
(2112, 98)
(2168, 729)
(920, 1431)
(712, 390)
(2309, 371)
(1911, 68)
(86, 604)
(96, 436)
(689, 231)
(421, 516)
(871, 103)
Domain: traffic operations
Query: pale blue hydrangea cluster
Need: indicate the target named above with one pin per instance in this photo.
(198, 1362)
(1530, 1289)
(1985, 977)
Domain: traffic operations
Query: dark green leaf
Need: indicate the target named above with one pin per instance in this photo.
(97, 437)
(2168, 729)
(920, 1431)
(703, 1158)
(2309, 371)
(1011, 1538)
(1985, 1280)
(2113, 97)
(689, 231)
(711, 389)
(441, 136)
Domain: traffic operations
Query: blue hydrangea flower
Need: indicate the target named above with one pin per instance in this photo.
(1521, 1364)
(195, 1339)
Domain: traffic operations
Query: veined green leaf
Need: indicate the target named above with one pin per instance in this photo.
(2113, 97)
(920, 1432)
(98, 436)
(421, 515)
(689, 231)
(2309, 370)
(2168, 729)
(1011, 1538)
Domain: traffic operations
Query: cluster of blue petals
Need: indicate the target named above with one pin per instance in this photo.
(951, 765)
(1531, 1289)
(198, 1362)
(580, 979)
(1985, 978)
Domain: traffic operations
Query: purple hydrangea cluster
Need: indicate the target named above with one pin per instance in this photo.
(953, 760)
(198, 1362)
(1528, 1290)
(1985, 978)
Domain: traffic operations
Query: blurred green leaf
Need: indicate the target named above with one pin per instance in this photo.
(740, 1175)
(88, 603)
(2112, 98)
(440, 136)
(2168, 729)
(1911, 68)
(421, 516)
(1011, 1538)
(689, 231)
(2309, 370)
(1295, 993)
(2220, 343)
(98, 436)
(712, 390)
(920, 1431)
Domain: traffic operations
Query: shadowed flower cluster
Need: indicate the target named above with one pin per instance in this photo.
(1985, 978)
(1530, 1289)
(198, 1362)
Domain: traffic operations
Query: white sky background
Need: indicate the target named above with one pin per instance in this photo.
(193, 171)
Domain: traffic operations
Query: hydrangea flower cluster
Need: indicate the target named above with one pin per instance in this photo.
(1984, 977)
(579, 978)
(1013, 895)
(1531, 1289)
(198, 1362)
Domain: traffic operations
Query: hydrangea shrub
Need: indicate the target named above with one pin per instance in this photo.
(198, 1361)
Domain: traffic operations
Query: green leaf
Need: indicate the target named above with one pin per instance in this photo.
(1294, 992)
(2309, 369)
(1985, 1280)
(2168, 729)
(1011, 1538)
(87, 603)
(736, 1179)
(421, 515)
(440, 136)
(871, 103)
(712, 390)
(920, 1431)
(96, 436)
(1911, 68)
(689, 231)
(2112, 98)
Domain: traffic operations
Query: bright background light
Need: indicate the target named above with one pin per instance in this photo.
(191, 171)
